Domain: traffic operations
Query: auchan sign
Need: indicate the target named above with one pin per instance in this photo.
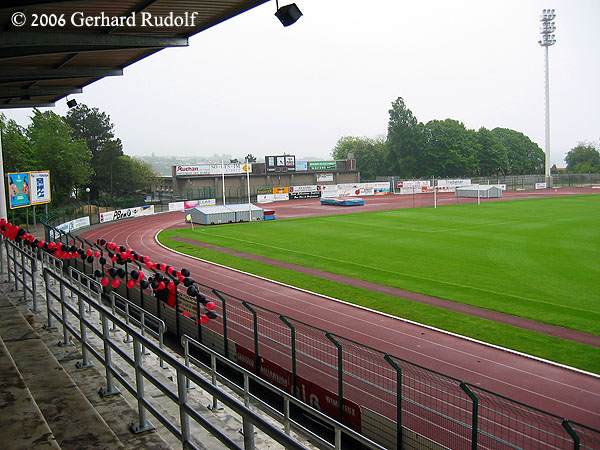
(213, 169)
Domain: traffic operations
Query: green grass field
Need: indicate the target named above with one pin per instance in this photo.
(532, 258)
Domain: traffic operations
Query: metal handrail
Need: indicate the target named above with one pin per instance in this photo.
(287, 397)
(249, 417)
(29, 269)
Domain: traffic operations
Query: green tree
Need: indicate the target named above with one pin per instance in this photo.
(449, 150)
(583, 158)
(370, 154)
(524, 155)
(16, 149)
(404, 140)
(132, 176)
(54, 148)
(491, 154)
(96, 129)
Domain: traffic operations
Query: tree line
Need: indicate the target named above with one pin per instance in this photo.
(81, 151)
(446, 148)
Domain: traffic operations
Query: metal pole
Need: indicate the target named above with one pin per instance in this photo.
(248, 182)
(547, 96)
(340, 374)
(474, 414)
(434, 194)
(2, 193)
(223, 174)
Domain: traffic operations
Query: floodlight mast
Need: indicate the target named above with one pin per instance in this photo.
(548, 39)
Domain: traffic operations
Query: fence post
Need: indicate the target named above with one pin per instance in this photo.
(110, 389)
(247, 426)
(177, 313)
(48, 299)
(198, 321)
(225, 338)
(474, 414)
(340, 368)
(143, 424)
(34, 307)
(293, 344)
(182, 400)
(83, 333)
(63, 311)
(255, 332)
(569, 429)
(398, 369)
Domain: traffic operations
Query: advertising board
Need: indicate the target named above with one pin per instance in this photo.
(72, 225)
(301, 166)
(213, 169)
(40, 187)
(280, 163)
(307, 191)
(126, 213)
(324, 177)
(189, 204)
(540, 185)
(19, 186)
(311, 393)
(322, 165)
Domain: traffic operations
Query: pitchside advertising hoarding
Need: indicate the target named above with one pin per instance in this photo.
(425, 186)
(315, 395)
(28, 189)
(213, 169)
(189, 204)
(127, 213)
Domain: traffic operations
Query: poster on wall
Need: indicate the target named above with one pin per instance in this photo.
(324, 177)
(40, 187)
(19, 186)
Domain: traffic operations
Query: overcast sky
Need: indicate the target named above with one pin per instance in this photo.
(250, 85)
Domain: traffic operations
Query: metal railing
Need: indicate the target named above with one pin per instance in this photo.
(288, 399)
(135, 361)
(25, 262)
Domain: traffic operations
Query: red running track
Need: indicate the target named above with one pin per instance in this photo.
(561, 391)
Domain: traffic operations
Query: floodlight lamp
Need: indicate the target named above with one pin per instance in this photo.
(71, 103)
(288, 14)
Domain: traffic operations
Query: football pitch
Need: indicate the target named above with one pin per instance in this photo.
(537, 259)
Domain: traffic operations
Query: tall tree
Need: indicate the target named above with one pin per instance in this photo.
(16, 149)
(449, 150)
(491, 153)
(370, 154)
(404, 139)
(524, 155)
(583, 158)
(54, 148)
(96, 129)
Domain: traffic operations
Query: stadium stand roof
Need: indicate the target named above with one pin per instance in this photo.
(41, 65)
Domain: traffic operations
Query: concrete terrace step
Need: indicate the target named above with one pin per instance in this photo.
(67, 412)
(20, 417)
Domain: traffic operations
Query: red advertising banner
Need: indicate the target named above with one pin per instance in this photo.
(309, 392)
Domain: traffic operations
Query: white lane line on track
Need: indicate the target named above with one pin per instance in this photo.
(498, 381)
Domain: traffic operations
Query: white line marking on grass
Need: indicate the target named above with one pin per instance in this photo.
(401, 319)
